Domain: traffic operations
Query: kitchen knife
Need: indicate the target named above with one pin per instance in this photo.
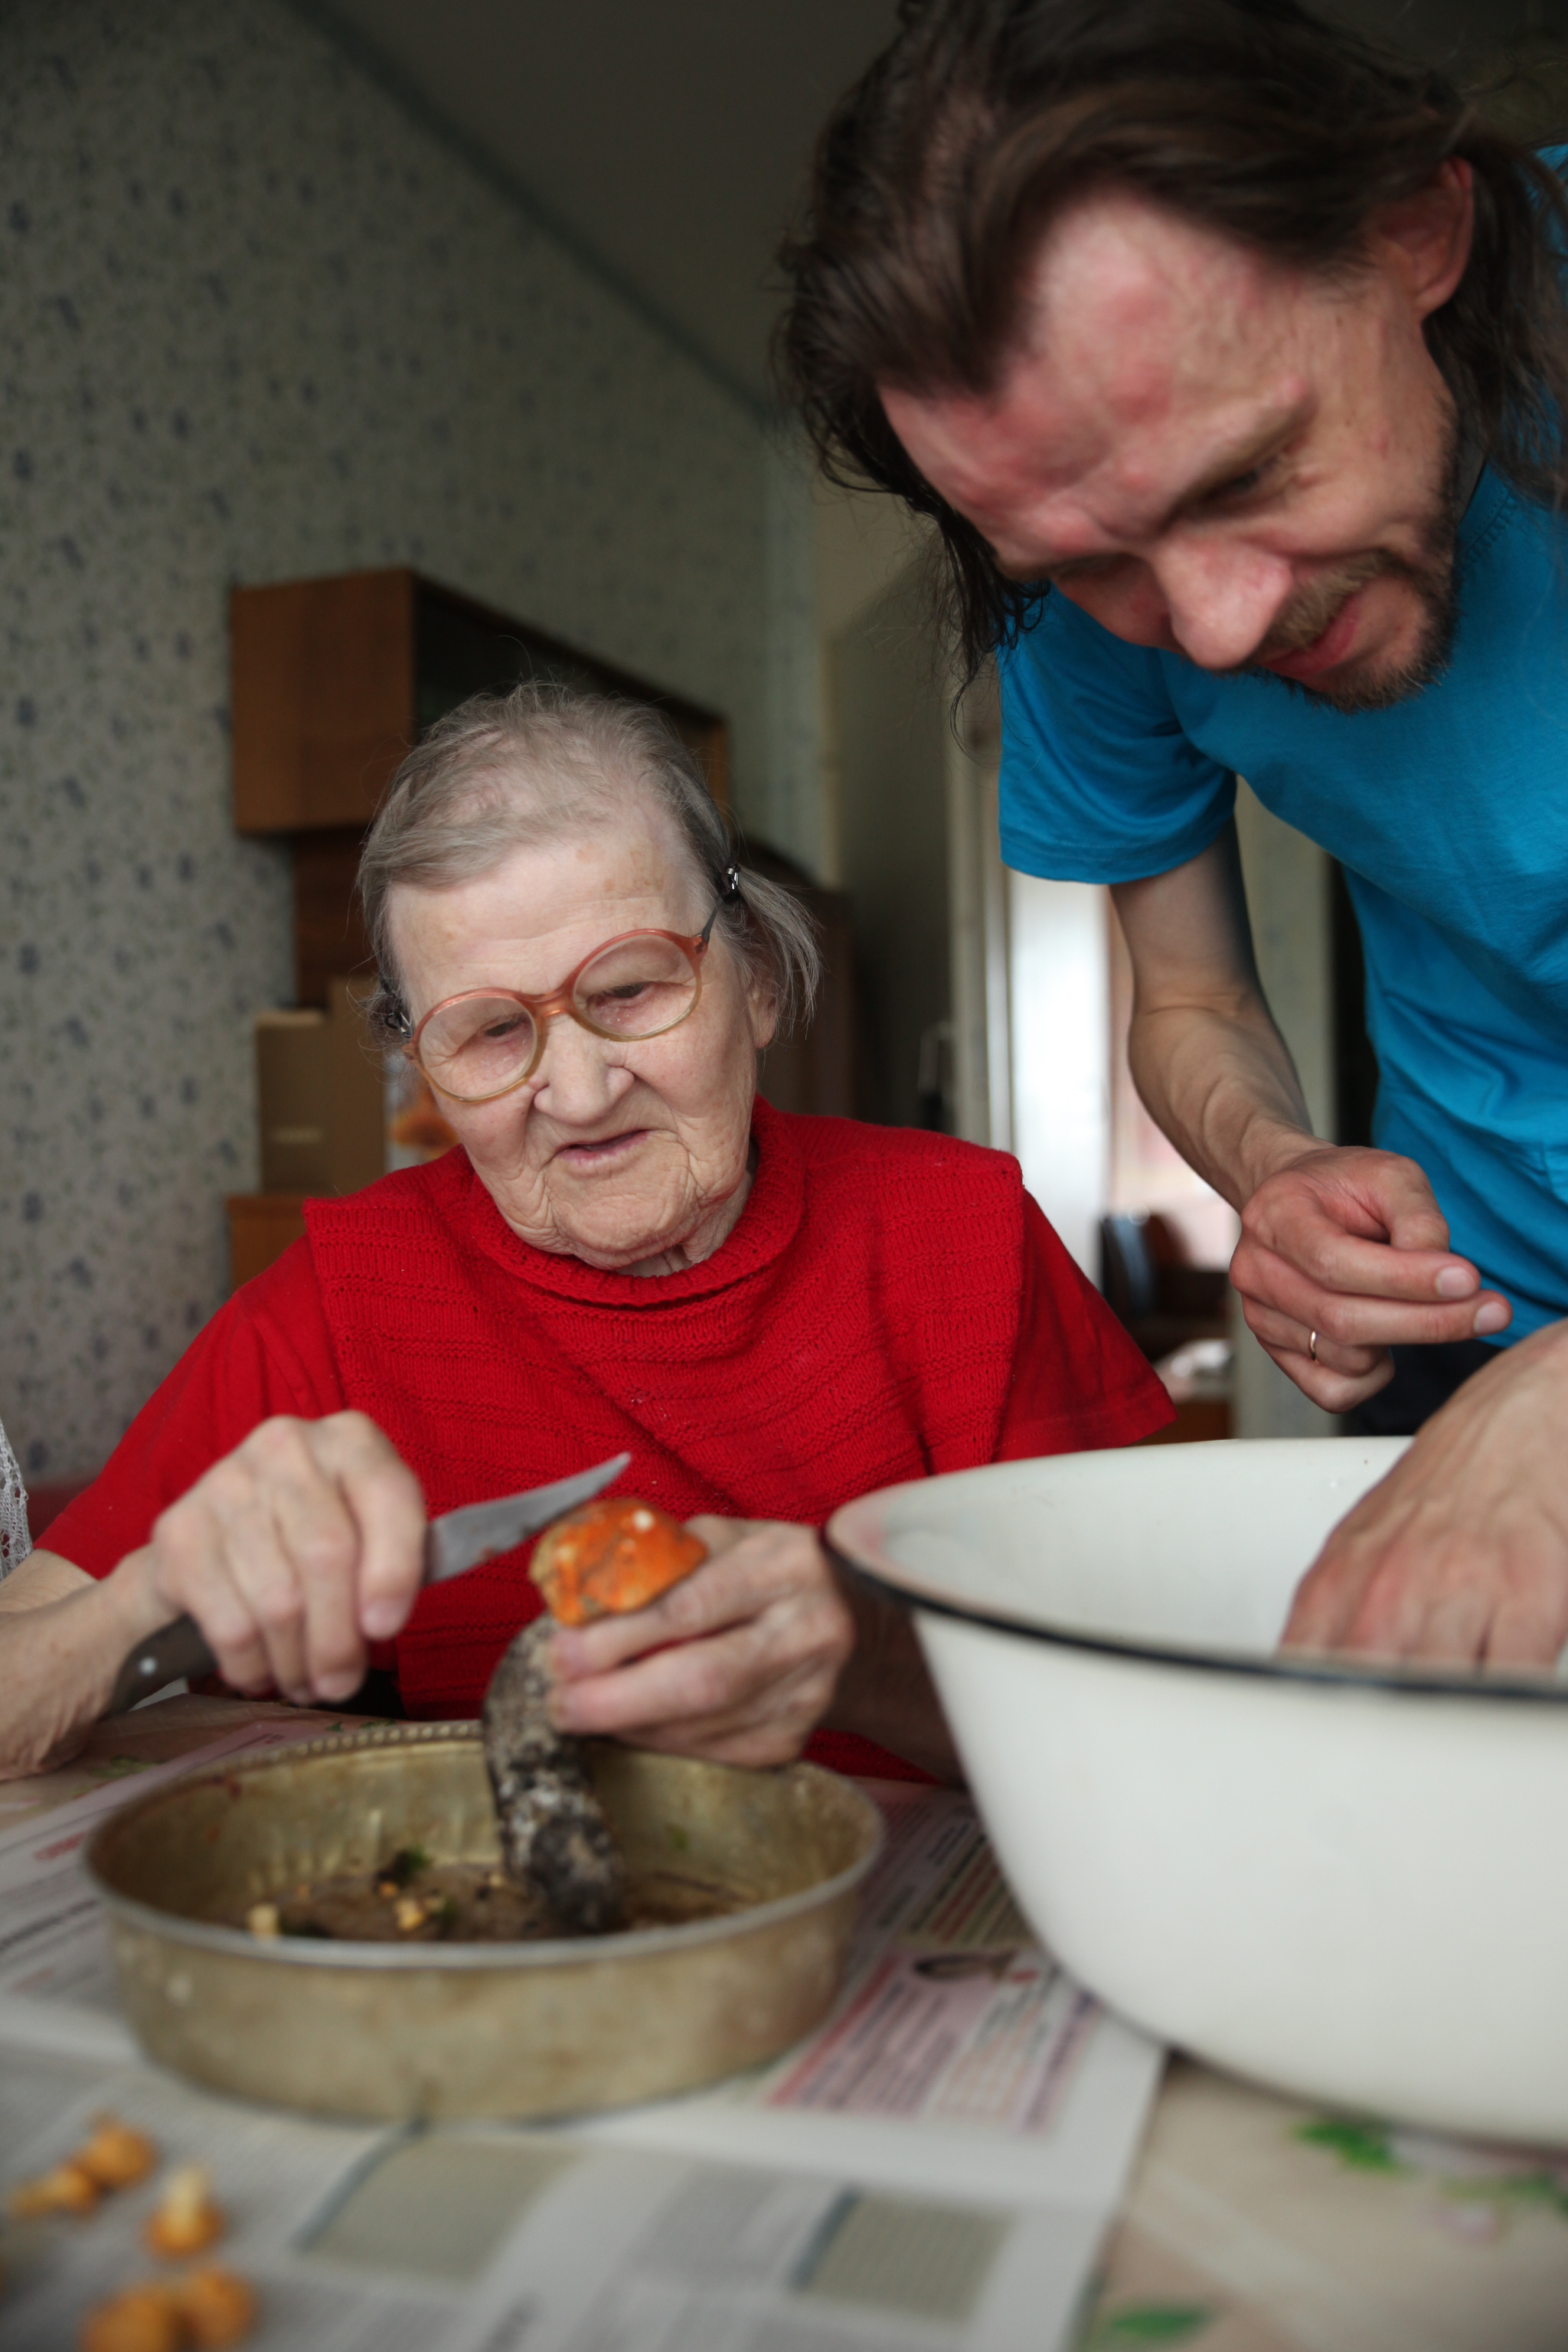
(456, 1542)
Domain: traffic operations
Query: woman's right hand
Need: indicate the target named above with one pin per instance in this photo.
(293, 1553)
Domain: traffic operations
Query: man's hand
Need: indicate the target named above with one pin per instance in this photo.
(292, 1553)
(1351, 1244)
(762, 1635)
(1348, 1244)
(1461, 1553)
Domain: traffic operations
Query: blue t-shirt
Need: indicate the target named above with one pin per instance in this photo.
(1450, 814)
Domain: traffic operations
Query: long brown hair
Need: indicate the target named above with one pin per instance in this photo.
(938, 173)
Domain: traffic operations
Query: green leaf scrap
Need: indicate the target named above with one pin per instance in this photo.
(1363, 2147)
(1147, 2323)
(407, 1864)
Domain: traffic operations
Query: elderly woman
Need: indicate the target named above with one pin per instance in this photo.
(630, 1250)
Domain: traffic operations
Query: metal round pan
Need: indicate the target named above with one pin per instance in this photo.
(454, 2030)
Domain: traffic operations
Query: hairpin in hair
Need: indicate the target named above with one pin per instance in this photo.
(393, 1010)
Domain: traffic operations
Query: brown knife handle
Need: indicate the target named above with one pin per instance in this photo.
(175, 1649)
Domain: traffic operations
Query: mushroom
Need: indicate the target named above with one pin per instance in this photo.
(116, 2156)
(211, 2308)
(219, 2309)
(143, 2318)
(67, 2188)
(187, 2220)
(613, 1555)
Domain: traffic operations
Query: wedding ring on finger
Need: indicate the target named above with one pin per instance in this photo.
(1312, 1346)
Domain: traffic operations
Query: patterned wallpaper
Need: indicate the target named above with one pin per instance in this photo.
(259, 324)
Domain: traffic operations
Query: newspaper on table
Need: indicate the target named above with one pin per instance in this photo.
(935, 2166)
(54, 1946)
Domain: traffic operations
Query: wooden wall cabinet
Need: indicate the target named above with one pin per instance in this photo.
(322, 700)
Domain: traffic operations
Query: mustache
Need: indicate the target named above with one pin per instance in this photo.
(1311, 610)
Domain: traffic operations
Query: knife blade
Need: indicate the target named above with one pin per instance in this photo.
(454, 1543)
(463, 1539)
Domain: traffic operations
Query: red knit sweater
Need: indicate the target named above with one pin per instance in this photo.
(890, 1303)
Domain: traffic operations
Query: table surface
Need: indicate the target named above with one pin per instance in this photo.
(1252, 2223)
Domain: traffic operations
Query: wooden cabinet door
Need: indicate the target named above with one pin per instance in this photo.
(322, 698)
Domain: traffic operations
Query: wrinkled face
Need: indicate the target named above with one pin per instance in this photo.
(613, 1151)
(1219, 457)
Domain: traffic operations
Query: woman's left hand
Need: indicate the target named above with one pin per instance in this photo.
(761, 1635)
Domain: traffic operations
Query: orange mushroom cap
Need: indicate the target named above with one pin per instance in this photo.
(218, 2308)
(116, 2156)
(610, 1557)
(141, 2318)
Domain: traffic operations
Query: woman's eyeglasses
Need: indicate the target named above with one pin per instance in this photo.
(486, 1040)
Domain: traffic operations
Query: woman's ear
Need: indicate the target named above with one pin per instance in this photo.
(762, 1014)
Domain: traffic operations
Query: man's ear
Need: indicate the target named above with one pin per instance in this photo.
(1425, 239)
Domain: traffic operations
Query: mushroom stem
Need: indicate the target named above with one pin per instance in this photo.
(554, 1835)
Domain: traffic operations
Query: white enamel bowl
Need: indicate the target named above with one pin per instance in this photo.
(1350, 1884)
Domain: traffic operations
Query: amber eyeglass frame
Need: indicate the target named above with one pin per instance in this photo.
(542, 1010)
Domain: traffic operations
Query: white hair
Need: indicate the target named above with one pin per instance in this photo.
(507, 771)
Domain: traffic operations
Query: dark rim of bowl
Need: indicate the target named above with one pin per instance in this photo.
(1345, 1672)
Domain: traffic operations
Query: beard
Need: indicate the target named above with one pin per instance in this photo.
(1432, 575)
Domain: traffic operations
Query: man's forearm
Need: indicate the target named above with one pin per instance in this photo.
(1208, 1060)
(1218, 1079)
(1344, 1252)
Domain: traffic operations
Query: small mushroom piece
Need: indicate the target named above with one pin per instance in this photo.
(409, 1914)
(187, 2220)
(143, 2318)
(218, 2308)
(262, 1919)
(611, 1556)
(116, 2156)
(65, 2188)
